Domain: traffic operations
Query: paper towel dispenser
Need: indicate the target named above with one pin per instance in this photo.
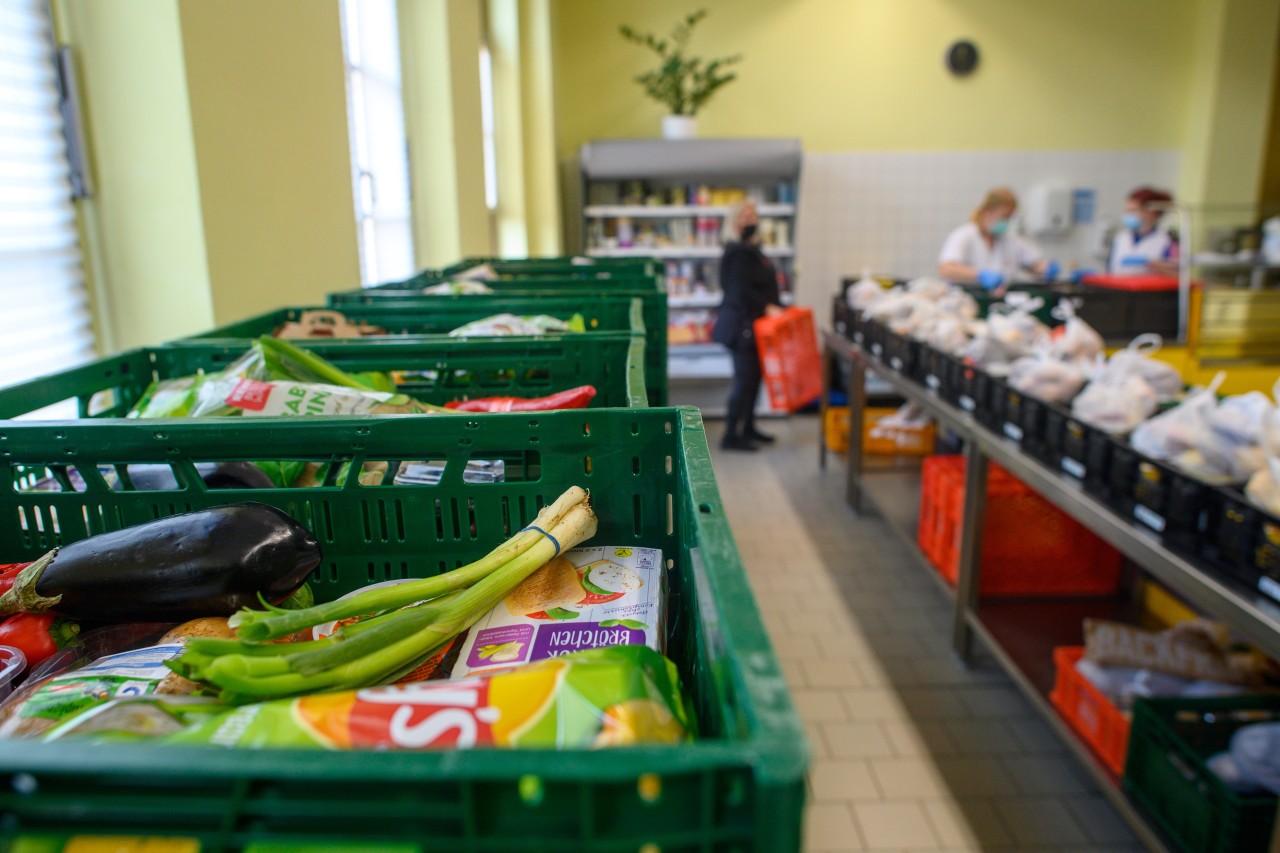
(1048, 209)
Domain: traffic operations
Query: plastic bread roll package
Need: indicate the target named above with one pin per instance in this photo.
(585, 598)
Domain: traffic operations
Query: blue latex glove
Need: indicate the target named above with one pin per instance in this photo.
(1051, 271)
(990, 279)
(1079, 275)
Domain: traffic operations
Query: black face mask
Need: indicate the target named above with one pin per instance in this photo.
(748, 231)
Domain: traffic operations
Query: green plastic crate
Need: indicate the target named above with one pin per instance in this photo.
(570, 264)
(651, 293)
(600, 313)
(740, 787)
(1165, 772)
(522, 367)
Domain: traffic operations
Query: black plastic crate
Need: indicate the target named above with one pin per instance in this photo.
(842, 317)
(1167, 774)
(962, 384)
(989, 396)
(873, 336)
(1011, 413)
(934, 366)
(1100, 476)
(1035, 424)
(898, 352)
(1171, 503)
(1242, 541)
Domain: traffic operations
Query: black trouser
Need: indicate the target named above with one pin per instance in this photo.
(745, 389)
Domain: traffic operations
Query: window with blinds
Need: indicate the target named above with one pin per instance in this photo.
(44, 312)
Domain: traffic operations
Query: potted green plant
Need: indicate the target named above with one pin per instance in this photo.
(681, 83)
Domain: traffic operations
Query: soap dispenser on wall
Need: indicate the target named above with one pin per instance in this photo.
(1048, 209)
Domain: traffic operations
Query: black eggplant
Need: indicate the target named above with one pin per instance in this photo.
(210, 562)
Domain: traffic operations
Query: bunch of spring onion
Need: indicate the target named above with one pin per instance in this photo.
(409, 621)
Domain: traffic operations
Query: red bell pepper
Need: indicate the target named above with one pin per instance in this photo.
(38, 635)
(8, 574)
(574, 398)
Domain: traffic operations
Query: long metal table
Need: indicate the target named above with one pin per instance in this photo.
(1020, 634)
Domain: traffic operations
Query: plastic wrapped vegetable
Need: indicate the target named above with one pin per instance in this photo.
(457, 288)
(510, 324)
(573, 398)
(603, 697)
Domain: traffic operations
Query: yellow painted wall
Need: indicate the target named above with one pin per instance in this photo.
(144, 241)
(439, 55)
(848, 75)
(1270, 191)
(1232, 58)
(268, 110)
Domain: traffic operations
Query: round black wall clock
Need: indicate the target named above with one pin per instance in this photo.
(962, 58)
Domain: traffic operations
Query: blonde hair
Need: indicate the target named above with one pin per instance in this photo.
(994, 200)
(729, 231)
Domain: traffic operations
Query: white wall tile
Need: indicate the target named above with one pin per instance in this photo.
(890, 212)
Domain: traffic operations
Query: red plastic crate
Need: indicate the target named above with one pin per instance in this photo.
(1089, 713)
(1029, 546)
(789, 358)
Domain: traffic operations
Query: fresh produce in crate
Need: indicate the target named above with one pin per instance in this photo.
(38, 635)
(596, 698)
(510, 324)
(279, 365)
(457, 288)
(413, 620)
(204, 563)
(573, 398)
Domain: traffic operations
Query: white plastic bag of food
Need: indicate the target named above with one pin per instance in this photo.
(509, 324)
(583, 599)
(864, 293)
(1182, 428)
(1263, 490)
(1013, 323)
(1137, 359)
(948, 334)
(1115, 403)
(1046, 378)
(957, 303)
(1230, 449)
(931, 288)
(1077, 340)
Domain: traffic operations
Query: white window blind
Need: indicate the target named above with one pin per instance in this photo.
(380, 161)
(44, 313)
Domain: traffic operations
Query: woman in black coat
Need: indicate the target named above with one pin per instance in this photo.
(750, 286)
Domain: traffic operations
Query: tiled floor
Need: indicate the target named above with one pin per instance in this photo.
(909, 751)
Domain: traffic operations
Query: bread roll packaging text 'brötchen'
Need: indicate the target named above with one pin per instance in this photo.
(585, 598)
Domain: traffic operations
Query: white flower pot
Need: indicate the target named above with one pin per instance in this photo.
(679, 127)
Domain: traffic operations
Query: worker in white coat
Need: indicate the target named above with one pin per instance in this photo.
(983, 251)
(1142, 246)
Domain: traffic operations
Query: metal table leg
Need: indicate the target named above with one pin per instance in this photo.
(853, 462)
(824, 402)
(975, 501)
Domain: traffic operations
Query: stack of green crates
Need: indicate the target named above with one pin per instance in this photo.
(739, 786)
(635, 278)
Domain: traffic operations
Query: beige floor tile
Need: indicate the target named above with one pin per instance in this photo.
(912, 739)
(895, 824)
(833, 674)
(820, 705)
(1040, 822)
(873, 703)
(967, 823)
(907, 778)
(856, 740)
(829, 826)
(842, 779)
